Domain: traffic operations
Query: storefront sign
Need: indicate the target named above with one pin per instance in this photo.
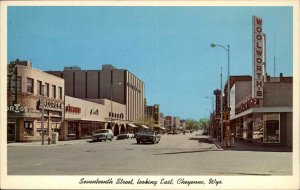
(94, 112)
(17, 108)
(73, 109)
(250, 103)
(12, 78)
(258, 58)
(50, 105)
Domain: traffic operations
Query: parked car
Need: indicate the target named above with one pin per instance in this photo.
(125, 136)
(102, 134)
(150, 136)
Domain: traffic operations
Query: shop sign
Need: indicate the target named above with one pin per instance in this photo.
(250, 103)
(18, 108)
(50, 105)
(12, 78)
(94, 112)
(258, 59)
(73, 109)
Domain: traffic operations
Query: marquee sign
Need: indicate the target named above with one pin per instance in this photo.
(247, 104)
(258, 58)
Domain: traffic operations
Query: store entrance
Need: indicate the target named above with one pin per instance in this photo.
(11, 132)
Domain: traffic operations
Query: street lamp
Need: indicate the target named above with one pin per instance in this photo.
(111, 104)
(228, 83)
(228, 69)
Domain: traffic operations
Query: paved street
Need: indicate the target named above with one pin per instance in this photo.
(174, 155)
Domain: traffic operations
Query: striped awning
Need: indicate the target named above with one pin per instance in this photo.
(144, 126)
(131, 125)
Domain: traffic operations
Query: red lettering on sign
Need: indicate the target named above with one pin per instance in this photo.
(258, 29)
(258, 45)
(259, 68)
(259, 83)
(258, 52)
(259, 93)
(258, 21)
(259, 37)
(258, 60)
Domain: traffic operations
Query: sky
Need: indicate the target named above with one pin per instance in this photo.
(168, 48)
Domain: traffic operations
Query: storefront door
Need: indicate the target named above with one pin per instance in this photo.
(11, 131)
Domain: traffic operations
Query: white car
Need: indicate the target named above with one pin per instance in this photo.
(103, 134)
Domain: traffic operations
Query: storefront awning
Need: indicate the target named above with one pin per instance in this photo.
(144, 126)
(73, 119)
(262, 110)
(132, 125)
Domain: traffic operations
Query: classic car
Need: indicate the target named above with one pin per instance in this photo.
(149, 136)
(102, 134)
(125, 136)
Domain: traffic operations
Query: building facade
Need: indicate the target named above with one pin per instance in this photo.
(110, 83)
(29, 91)
(83, 117)
(266, 121)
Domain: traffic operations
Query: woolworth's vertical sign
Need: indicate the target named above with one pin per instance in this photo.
(258, 60)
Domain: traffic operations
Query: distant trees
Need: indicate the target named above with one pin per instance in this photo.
(192, 124)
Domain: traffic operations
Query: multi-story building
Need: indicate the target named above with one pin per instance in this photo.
(29, 91)
(118, 85)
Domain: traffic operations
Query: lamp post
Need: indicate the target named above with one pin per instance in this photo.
(111, 104)
(228, 82)
(43, 112)
(221, 109)
(228, 69)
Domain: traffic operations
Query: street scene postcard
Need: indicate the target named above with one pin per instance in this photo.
(149, 95)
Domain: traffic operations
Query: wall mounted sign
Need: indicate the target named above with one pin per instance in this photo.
(12, 78)
(258, 58)
(73, 109)
(94, 112)
(50, 105)
(249, 103)
(18, 108)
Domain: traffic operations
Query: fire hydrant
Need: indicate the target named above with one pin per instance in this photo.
(49, 140)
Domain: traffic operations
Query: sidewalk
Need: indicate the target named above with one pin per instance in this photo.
(39, 143)
(244, 146)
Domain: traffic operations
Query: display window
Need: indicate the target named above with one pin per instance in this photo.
(28, 128)
(272, 128)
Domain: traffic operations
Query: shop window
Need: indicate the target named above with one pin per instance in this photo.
(30, 85)
(28, 128)
(271, 128)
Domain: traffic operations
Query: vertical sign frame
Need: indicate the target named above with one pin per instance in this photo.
(258, 58)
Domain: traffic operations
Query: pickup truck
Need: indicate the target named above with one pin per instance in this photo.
(149, 136)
